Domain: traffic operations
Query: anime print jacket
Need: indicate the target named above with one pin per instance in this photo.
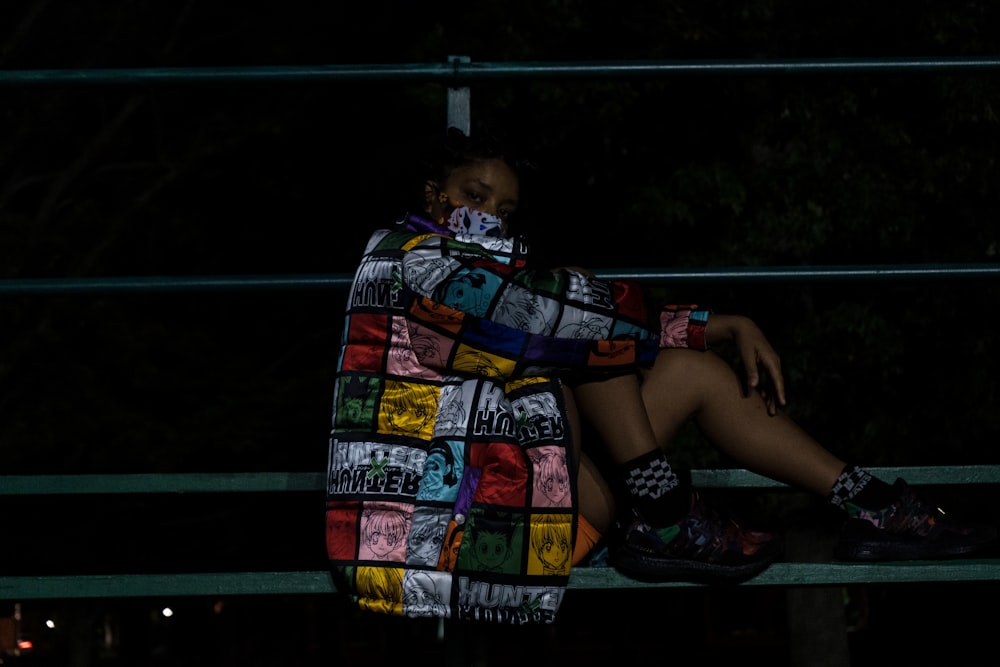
(449, 491)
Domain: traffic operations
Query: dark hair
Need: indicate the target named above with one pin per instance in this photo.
(459, 149)
(433, 157)
(450, 478)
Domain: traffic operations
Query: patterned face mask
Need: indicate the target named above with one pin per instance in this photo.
(470, 221)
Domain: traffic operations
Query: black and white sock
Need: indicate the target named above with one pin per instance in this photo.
(859, 487)
(655, 488)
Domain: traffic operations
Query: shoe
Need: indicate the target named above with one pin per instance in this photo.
(702, 547)
(909, 529)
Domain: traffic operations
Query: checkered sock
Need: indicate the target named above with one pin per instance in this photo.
(655, 488)
(856, 487)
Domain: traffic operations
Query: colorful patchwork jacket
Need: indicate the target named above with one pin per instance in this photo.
(450, 489)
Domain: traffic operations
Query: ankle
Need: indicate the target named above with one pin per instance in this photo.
(661, 494)
(856, 489)
(666, 510)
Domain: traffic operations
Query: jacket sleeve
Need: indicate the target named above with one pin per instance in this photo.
(538, 321)
(683, 326)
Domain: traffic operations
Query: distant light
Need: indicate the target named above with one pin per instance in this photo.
(167, 612)
(25, 644)
(49, 623)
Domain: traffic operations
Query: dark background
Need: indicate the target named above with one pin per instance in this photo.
(189, 179)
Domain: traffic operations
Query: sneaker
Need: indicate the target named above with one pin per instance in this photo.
(702, 547)
(909, 529)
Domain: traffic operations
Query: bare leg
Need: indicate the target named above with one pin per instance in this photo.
(633, 419)
(616, 409)
(596, 501)
(690, 383)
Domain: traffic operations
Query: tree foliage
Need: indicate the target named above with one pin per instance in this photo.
(687, 171)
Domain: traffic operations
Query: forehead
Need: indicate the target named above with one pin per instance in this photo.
(493, 174)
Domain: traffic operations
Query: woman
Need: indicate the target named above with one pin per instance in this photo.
(451, 337)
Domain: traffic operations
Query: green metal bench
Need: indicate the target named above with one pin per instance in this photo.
(318, 582)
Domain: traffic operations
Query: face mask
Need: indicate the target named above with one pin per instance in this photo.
(470, 221)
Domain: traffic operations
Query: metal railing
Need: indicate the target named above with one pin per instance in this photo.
(458, 73)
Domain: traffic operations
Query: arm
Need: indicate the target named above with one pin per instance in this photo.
(555, 320)
(569, 302)
(756, 353)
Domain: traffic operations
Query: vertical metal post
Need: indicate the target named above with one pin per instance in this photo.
(459, 109)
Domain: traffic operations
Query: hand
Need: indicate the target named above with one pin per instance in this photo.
(756, 353)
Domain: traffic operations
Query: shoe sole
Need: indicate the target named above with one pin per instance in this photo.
(641, 567)
(868, 545)
(869, 552)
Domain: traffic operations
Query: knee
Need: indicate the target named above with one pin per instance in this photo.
(681, 365)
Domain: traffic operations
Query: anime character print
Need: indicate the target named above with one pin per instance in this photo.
(408, 408)
(452, 544)
(475, 362)
(403, 359)
(383, 534)
(425, 594)
(587, 329)
(430, 348)
(471, 292)
(551, 544)
(494, 543)
(379, 588)
(423, 274)
(442, 471)
(526, 311)
(551, 477)
(454, 406)
(355, 401)
(428, 530)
